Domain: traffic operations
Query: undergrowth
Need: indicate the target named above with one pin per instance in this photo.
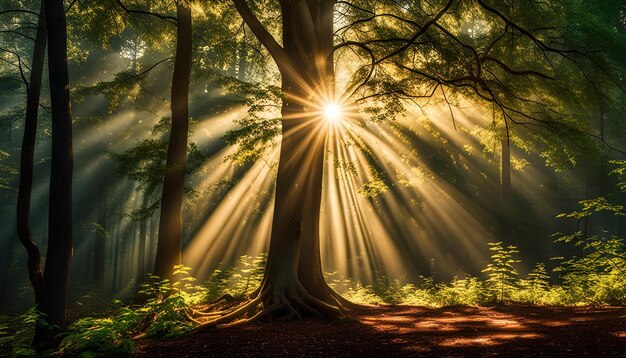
(597, 277)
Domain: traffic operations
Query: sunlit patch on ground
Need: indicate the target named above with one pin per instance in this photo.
(487, 340)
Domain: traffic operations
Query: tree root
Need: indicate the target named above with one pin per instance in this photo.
(277, 301)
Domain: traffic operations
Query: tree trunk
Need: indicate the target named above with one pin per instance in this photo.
(293, 283)
(28, 152)
(505, 182)
(506, 170)
(141, 259)
(116, 254)
(170, 222)
(54, 281)
(100, 244)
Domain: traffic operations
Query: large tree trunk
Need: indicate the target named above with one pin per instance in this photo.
(28, 152)
(293, 282)
(170, 222)
(310, 267)
(54, 281)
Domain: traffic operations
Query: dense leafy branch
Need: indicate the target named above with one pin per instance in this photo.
(530, 90)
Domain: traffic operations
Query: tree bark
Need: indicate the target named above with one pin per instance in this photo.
(54, 281)
(170, 221)
(33, 93)
(293, 283)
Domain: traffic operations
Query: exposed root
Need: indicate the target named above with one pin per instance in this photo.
(223, 305)
(226, 298)
(277, 301)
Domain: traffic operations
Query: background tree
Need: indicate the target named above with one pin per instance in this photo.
(170, 224)
(54, 281)
(33, 93)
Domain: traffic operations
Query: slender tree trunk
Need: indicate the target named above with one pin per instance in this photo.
(28, 152)
(505, 182)
(506, 170)
(100, 244)
(116, 255)
(170, 222)
(54, 281)
(141, 259)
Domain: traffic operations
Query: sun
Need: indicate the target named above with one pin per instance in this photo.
(332, 112)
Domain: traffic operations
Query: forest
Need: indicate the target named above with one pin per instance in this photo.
(319, 178)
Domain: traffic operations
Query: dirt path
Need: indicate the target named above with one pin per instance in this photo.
(392, 331)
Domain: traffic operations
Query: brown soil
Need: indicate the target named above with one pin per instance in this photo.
(392, 331)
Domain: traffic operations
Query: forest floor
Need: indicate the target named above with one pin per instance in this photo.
(392, 331)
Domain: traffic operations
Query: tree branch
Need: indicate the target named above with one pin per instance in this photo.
(170, 19)
(19, 65)
(19, 10)
(70, 6)
(267, 40)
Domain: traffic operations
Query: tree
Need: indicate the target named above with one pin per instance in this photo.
(293, 282)
(54, 280)
(170, 223)
(409, 51)
(502, 274)
(33, 93)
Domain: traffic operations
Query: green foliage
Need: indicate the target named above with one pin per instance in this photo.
(163, 315)
(257, 132)
(620, 172)
(598, 279)
(534, 288)
(591, 280)
(6, 171)
(375, 186)
(125, 85)
(145, 163)
(466, 291)
(390, 291)
(96, 228)
(362, 294)
(217, 284)
(16, 334)
(503, 277)
(592, 206)
(238, 280)
(247, 275)
(99, 337)
(598, 276)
